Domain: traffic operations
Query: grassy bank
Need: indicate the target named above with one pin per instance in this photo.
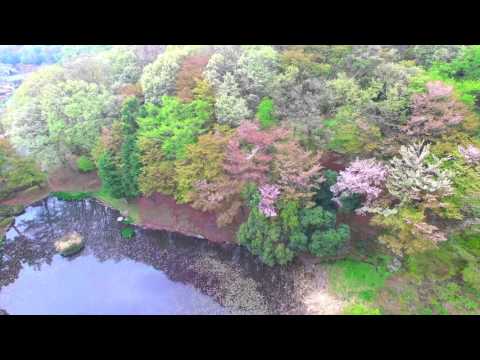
(127, 208)
(443, 281)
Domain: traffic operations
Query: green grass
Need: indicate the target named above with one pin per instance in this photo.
(356, 279)
(85, 164)
(71, 195)
(128, 232)
(120, 204)
(360, 309)
(439, 282)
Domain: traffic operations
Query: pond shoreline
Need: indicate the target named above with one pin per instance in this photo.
(227, 273)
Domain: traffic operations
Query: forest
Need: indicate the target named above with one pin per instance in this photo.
(299, 147)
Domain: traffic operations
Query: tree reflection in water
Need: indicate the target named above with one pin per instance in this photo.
(221, 272)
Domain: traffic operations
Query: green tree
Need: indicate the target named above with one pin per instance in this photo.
(111, 175)
(265, 113)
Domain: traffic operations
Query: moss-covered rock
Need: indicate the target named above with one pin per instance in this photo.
(70, 244)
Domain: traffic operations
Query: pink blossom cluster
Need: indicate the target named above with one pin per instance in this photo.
(471, 154)
(363, 177)
(434, 111)
(269, 194)
(437, 89)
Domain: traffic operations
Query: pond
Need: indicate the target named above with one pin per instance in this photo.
(155, 272)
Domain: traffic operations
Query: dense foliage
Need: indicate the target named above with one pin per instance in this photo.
(16, 172)
(249, 133)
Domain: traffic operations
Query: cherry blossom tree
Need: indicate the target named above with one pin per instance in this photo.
(248, 152)
(269, 195)
(363, 177)
(297, 171)
(435, 111)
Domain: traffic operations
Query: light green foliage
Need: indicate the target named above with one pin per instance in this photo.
(412, 177)
(356, 279)
(438, 264)
(466, 66)
(85, 164)
(345, 137)
(471, 275)
(360, 309)
(69, 52)
(127, 232)
(304, 61)
(401, 234)
(203, 161)
(174, 124)
(75, 112)
(230, 107)
(71, 195)
(440, 281)
(124, 65)
(223, 61)
(159, 78)
(256, 69)
(465, 200)
(349, 134)
(427, 55)
(24, 120)
(158, 173)
(463, 73)
(265, 113)
(17, 173)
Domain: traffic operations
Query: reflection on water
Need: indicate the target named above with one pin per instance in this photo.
(154, 273)
(109, 287)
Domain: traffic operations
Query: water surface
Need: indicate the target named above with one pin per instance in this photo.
(156, 272)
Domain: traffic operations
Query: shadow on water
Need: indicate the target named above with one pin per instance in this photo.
(156, 272)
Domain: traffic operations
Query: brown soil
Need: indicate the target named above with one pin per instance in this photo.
(311, 289)
(163, 213)
(66, 179)
(333, 161)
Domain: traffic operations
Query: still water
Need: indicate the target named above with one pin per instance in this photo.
(156, 272)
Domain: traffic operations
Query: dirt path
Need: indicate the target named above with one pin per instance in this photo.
(311, 282)
(318, 300)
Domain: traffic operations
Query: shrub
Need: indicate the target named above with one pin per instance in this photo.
(71, 196)
(127, 232)
(438, 264)
(471, 275)
(265, 113)
(85, 164)
(329, 243)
